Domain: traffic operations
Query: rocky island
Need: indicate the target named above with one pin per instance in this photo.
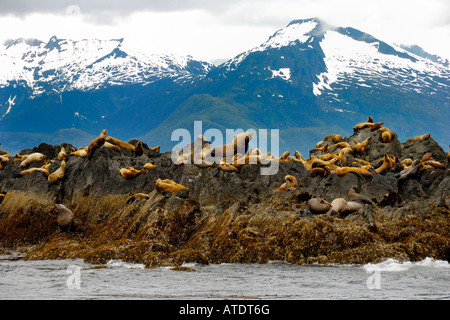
(354, 200)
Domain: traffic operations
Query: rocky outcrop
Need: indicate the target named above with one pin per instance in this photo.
(226, 216)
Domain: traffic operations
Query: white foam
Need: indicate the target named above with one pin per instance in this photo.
(394, 265)
(120, 264)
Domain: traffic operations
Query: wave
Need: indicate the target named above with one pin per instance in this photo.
(397, 266)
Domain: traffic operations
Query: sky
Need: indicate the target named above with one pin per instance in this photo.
(215, 31)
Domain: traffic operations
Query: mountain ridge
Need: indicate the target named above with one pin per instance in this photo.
(304, 79)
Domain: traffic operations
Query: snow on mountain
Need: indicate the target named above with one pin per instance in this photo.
(64, 65)
(347, 58)
(294, 32)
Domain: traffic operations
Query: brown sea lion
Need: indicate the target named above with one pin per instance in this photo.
(62, 155)
(419, 138)
(137, 196)
(341, 144)
(227, 167)
(97, 142)
(156, 149)
(289, 185)
(120, 143)
(3, 159)
(385, 166)
(150, 166)
(130, 172)
(325, 148)
(319, 172)
(337, 205)
(333, 137)
(352, 206)
(372, 126)
(79, 153)
(284, 156)
(139, 149)
(239, 144)
(411, 171)
(361, 147)
(342, 171)
(386, 135)
(356, 197)
(44, 171)
(168, 185)
(34, 157)
(58, 174)
(65, 218)
(111, 146)
(318, 205)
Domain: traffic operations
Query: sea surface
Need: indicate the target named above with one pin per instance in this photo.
(76, 280)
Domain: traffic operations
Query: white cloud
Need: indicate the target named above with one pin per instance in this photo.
(211, 31)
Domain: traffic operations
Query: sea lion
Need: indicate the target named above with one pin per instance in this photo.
(411, 171)
(3, 159)
(137, 196)
(47, 164)
(185, 158)
(319, 172)
(342, 171)
(79, 153)
(130, 172)
(58, 174)
(371, 125)
(386, 135)
(227, 167)
(337, 205)
(434, 164)
(97, 142)
(318, 206)
(298, 156)
(289, 185)
(120, 143)
(356, 197)
(346, 151)
(239, 144)
(44, 171)
(407, 162)
(111, 146)
(284, 156)
(168, 185)
(62, 155)
(139, 149)
(426, 157)
(370, 119)
(385, 166)
(418, 138)
(156, 149)
(448, 156)
(325, 148)
(341, 144)
(34, 157)
(65, 218)
(333, 137)
(361, 147)
(351, 207)
(150, 166)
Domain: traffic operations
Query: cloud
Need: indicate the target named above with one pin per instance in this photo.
(218, 29)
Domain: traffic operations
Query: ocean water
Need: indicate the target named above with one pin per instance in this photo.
(76, 280)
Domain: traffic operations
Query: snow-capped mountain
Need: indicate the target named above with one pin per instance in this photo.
(65, 65)
(307, 80)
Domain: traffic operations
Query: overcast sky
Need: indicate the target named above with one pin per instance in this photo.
(216, 30)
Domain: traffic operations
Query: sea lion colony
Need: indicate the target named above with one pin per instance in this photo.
(330, 156)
